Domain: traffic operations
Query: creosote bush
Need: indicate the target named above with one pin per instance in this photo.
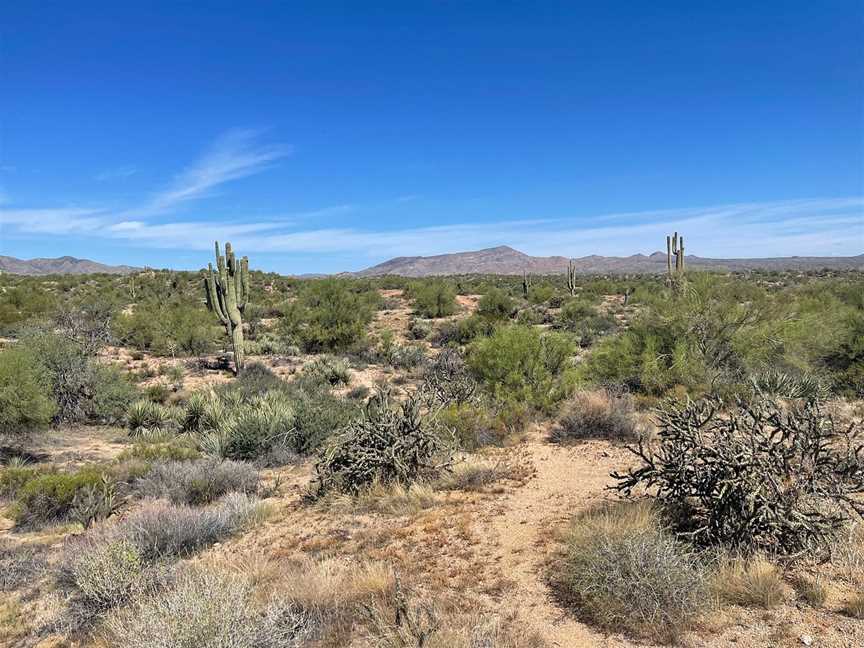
(390, 442)
(597, 415)
(754, 477)
(622, 571)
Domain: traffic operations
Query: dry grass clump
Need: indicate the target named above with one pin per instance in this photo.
(20, 564)
(855, 606)
(197, 482)
(207, 607)
(751, 583)
(624, 572)
(393, 498)
(476, 475)
(847, 552)
(597, 415)
(812, 591)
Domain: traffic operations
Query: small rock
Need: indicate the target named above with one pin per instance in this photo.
(807, 640)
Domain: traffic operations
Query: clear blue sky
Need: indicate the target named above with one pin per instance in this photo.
(322, 136)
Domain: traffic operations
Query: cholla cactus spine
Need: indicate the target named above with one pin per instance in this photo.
(227, 291)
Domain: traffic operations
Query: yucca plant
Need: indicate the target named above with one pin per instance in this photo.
(146, 418)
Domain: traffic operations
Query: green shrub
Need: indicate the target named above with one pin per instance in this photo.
(496, 305)
(472, 425)
(521, 365)
(167, 328)
(625, 574)
(317, 417)
(26, 400)
(49, 497)
(583, 319)
(464, 330)
(326, 370)
(433, 298)
(328, 316)
(175, 450)
(12, 478)
(256, 379)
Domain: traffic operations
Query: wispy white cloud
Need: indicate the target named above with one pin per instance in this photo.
(833, 226)
(236, 154)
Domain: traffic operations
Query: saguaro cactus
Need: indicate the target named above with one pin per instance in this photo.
(571, 277)
(526, 284)
(675, 245)
(227, 291)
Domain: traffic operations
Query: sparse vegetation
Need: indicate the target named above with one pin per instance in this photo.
(597, 415)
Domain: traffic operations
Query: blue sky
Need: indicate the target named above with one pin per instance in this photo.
(324, 136)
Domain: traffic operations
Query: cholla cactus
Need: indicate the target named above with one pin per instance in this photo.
(571, 278)
(227, 293)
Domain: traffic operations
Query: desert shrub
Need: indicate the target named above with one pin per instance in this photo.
(13, 478)
(144, 417)
(420, 329)
(106, 574)
(94, 502)
(532, 316)
(496, 305)
(157, 393)
(625, 573)
(110, 394)
(709, 332)
(20, 564)
(583, 319)
(752, 476)
(162, 530)
(540, 294)
(472, 425)
(750, 583)
(317, 417)
(522, 366)
(252, 430)
(328, 316)
(447, 380)
(433, 298)
(26, 400)
(49, 497)
(197, 482)
(846, 360)
(597, 415)
(175, 450)
(326, 370)
(167, 328)
(205, 607)
(388, 443)
(256, 379)
(463, 331)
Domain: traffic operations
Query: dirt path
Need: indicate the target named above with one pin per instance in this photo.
(567, 480)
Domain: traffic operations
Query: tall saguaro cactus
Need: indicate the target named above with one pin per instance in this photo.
(227, 291)
(675, 246)
(526, 284)
(571, 277)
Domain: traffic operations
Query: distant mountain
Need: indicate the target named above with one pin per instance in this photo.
(506, 260)
(62, 265)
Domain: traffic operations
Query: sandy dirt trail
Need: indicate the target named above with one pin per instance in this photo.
(567, 480)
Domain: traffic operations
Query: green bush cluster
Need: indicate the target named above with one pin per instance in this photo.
(434, 298)
(329, 315)
(172, 328)
(524, 368)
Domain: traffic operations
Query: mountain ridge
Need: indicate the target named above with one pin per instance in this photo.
(506, 260)
(60, 265)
